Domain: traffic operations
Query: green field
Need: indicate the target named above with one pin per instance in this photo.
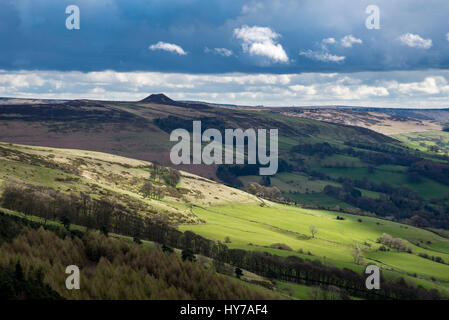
(423, 140)
(252, 227)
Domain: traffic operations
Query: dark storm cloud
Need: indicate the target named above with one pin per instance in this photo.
(117, 34)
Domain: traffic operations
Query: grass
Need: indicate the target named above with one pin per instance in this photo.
(253, 227)
(319, 199)
(409, 263)
(228, 212)
(295, 290)
(423, 140)
(101, 174)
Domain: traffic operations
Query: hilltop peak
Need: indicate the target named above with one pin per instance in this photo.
(158, 98)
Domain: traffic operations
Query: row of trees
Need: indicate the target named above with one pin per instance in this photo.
(272, 193)
(433, 258)
(399, 203)
(106, 215)
(320, 150)
(295, 269)
(230, 174)
(372, 153)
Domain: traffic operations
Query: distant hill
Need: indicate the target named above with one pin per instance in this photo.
(141, 129)
(162, 99)
(159, 98)
(440, 115)
(387, 122)
(29, 101)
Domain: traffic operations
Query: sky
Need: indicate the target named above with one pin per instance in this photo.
(273, 52)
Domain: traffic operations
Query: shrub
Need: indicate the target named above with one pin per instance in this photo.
(281, 246)
(394, 243)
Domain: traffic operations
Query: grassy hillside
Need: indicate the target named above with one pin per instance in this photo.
(252, 227)
(384, 123)
(140, 130)
(436, 142)
(76, 171)
(231, 216)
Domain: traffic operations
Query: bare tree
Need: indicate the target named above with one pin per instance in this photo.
(313, 230)
(357, 254)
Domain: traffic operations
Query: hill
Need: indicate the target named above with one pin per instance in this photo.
(158, 98)
(9, 101)
(439, 115)
(43, 183)
(383, 122)
(373, 173)
(97, 174)
(141, 130)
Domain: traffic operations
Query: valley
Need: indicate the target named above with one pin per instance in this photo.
(233, 217)
(370, 197)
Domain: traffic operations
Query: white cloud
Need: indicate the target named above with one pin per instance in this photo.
(252, 8)
(322, 56)
(326, 42)
(429, 86)
(22, 80)
(383, 89)
(170, 47)
(447, 36)
(415, 41)
(221, 51)
(349, 40)
(329, 41)
(299, 88)
(261, 41)
(357, 92)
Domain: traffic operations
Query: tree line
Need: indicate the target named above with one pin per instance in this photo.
(401, 203)
(108, 216)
